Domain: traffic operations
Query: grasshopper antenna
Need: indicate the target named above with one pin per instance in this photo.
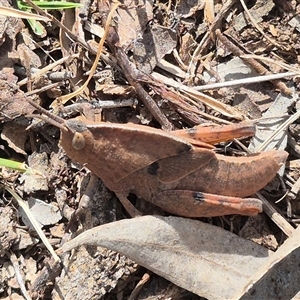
(48, 116)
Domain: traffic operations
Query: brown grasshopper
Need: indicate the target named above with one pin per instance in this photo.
(172, 170)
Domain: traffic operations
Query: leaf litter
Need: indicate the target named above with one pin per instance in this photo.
(180, 45)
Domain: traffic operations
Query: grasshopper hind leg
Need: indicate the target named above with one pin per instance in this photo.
(195, 204)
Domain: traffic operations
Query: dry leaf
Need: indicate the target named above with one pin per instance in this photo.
(13, 134)
(278, 278)
(189, 253)
(156, 42)
(256, 229)
(192, 93)
(12, 100)
(189, 8)
(132, 22)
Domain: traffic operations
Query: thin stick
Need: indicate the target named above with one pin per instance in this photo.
(258, 67)
(49, 67)
(244, 81)
(276, 217)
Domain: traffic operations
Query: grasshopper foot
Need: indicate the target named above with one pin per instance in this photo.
(129, 207)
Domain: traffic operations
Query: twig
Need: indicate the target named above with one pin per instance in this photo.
(259, 68)
(180, 103)
(222, 108)
(43, 89)
(276, 217)
(275, 62)
(210, 35)
(244, 81)
(49, 67)
(129, 71)
(84, 203)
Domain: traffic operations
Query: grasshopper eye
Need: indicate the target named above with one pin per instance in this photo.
(78, 141)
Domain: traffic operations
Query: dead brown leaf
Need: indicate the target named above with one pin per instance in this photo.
(13, 134)
(12, 100)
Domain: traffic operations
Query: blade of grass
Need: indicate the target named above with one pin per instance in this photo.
(15, 165)
(49, 5)
(37, 28)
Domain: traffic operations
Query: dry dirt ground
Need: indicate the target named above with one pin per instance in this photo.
(162, 64)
